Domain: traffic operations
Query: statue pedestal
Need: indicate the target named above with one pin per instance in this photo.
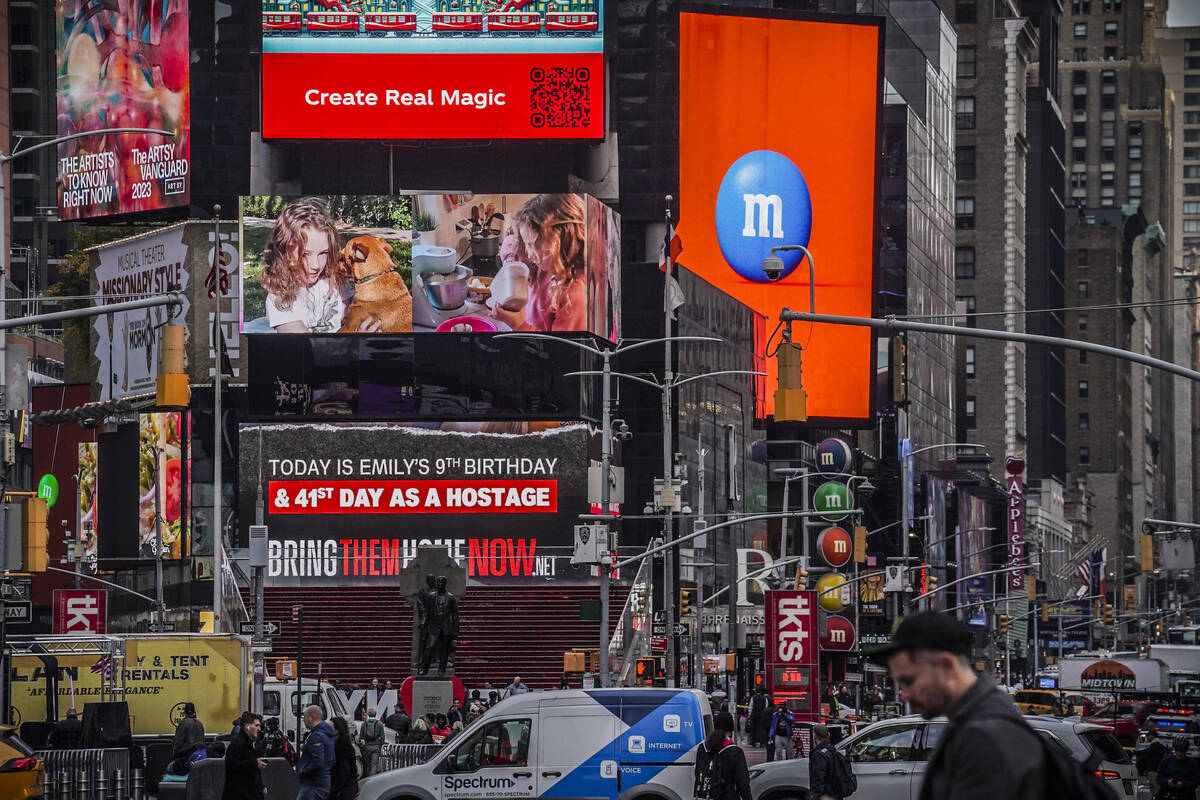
(429, 694)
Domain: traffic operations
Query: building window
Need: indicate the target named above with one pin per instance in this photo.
(964, 213)
(1191, 154)
(1083, 322)
(1108, 178)
(1191, 207)
(1110, 54)
(1081, 258)
(1191, 135)
(1083, 422)
(1108, 154)
(968, 301)
(1135, 180)
(1083, 356)
(1112, 6)
(1081, 6)
(969, 411)
(1191, 117)
(1078, 155)
(964, 259)
(1083, 390)
(1107, 129)
(1079, 77)
(964, 163)
(1191, 62)
(1078, 180)
(1191, 171)
(1108, 77)
(1135, 154)
(1191, 81)
(964, 11)
(964, 113)
(1191, 45)
(1110, 30)
(969, 364)
(1191, 98)
(1078, 130)
(1191, 226)
(1081, 54)
(1081, 289)
(1108, 102)
(1079, 102)
(1085, 455)
(1191, 190)
(966, 62)
(1080, 30)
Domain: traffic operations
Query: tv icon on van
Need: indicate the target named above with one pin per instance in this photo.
(637, 744)
(671, 723)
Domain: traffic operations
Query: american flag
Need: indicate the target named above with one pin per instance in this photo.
(1092, 569)
(105, 667)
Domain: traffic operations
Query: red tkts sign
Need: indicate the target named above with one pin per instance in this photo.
(80, 611)
(413, 497)
(433, 95)
(791, 655)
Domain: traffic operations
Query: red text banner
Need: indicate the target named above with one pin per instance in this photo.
(413, 497)
(791, 650)
(414, 96)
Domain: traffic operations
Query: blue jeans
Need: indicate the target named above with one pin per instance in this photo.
(313, 793)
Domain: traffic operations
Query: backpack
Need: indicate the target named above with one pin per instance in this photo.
(710, 781)
(374, 736)
(842, 779)
(1067, 778)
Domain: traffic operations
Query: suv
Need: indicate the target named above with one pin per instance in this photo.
(889, 758)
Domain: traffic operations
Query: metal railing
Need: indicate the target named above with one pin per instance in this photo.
(92, 774)
(396, 756)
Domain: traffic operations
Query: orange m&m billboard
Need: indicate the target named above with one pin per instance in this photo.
(778, 146)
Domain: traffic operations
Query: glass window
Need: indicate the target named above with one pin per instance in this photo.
(1083, 420)
(270, 704)
(964, 213)
(1081, 6)
(966, 61)
(1110, 54)
(964, 113)
(1191, 62)
(1108, 154)
(1081, 289)
(1108, 77)
(1083, 322)
(1135, 179)
(1192, 171)
(1081, 258)
(1078, 154)
(964, 262)
(1191, 98)
(1135, 154)
(1083, 356)
(1191, 189)
(889, 743)
(503, 743)
(1108, 102)
(1191, 226)
(1078, 130)
(1080, 30)
(968, 301)
(1079, 77)
(310, 699)
(1085, 455)
(969, 364)
(1191, 207)
(969, 411)
(1081, 54)
(1107, 129)
(964, 11)
(964, 163)
(1112, 6)
(1191, 135)
(1191, 154)
(1110, 30)
(1079, 102)
(1108, 178)
(1191, 81)
(1191, 46)
(1083, 389)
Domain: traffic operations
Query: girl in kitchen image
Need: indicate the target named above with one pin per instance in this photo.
(542, 284)
(307, 289)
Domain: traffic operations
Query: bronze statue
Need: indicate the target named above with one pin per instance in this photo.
(440, 629)
(420, 602)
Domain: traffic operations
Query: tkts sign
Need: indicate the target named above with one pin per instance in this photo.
(80, 611)
(1014, 482)
(792, 650)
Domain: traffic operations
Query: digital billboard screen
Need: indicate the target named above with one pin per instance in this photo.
(433, 69)
(123, 64)
(457, 263)
(350, 503)
(778, 131)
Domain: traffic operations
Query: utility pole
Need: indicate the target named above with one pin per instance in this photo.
(669, 582)
(219, 446)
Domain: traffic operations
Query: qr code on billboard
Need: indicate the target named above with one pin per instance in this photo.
(561, 97)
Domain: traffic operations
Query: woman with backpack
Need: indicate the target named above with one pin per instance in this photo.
(721, 770)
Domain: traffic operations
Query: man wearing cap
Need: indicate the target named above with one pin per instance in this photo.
(188, 733)
(1178, 775)
(986, 750)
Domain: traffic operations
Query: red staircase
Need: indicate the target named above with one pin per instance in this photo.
(354, 634)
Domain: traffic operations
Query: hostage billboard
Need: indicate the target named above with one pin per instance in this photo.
(349, 504)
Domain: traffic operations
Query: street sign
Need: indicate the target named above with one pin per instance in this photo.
(260, 645)
(270, 628)
(660, 629)
(161, 627)
(681, 629)
(20, 611)
(658, 646)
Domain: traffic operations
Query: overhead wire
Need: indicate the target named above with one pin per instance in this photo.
(1104, 307)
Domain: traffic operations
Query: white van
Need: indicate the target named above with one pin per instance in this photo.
(618, 744)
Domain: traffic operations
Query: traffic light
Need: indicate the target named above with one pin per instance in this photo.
(1003, 624)
(791, 401)
(645, 670)
(930, 583)
(860, 545)
(801, 578)
(1045, 613)
(898, 361)
(639, 599)
(1108, 614)
(685, 599)
(35, 535)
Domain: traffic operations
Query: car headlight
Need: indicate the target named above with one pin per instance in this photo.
(754, 773)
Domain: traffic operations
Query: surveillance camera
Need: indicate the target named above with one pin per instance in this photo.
(648, 509)
(1147, 528)
(772, 267)
(685, 510)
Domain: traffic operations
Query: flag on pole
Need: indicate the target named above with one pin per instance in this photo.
(1092, 569)
(668, 252)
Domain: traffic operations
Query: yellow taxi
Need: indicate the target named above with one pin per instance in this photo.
(1035, 701)
(20, 770)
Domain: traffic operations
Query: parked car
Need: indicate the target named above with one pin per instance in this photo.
(1036, 701)
(21, 772)
(1169, 726)
(889, 758)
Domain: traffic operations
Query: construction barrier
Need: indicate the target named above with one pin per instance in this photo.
(92, 774)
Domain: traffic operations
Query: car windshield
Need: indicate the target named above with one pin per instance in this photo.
(1107, 710)
(1106, 744)
(11, 739)
(1043, 698)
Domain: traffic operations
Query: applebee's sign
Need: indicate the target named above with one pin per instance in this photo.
(1014, 482)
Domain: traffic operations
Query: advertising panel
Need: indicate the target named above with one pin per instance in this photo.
(161, 465)
(460, 263)
(80, 611)
(778, 124)
(185, 258)
(433, 69)
(1014, 482)
(349, 504)
(156, 677)
(792, 650)
(973, 556)
(123, 64)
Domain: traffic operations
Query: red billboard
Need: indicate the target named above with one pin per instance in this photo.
(792, 637)
(778, 146)
(467, 69)
(80, 611)
(123, 64)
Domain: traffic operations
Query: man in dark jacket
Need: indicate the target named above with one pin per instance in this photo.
(316, 756)
(399, 722)
(820, 766)
(758, 710)
(1149, 757)
(66, 734)
(188, 733)
(243, 767)
(987, 749)
(1178, 775)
